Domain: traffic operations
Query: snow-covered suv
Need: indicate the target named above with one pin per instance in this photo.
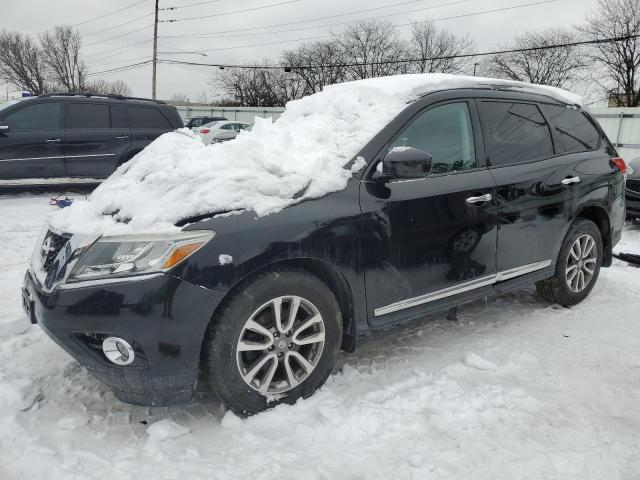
(362, 207)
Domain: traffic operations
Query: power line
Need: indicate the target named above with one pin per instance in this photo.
(230, 13)
(119, 36)
(108, 14)
(354, 12)
(190, 5)
(121, 69)
(117, 26)
(407, 60)
(124, 60)
(132, 45)
(483, 12)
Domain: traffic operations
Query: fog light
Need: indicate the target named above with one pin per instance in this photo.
(118, 351)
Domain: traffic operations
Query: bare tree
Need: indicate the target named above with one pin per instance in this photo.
(106, 87)
(559, 67)
(179, 98)
(61, 51)
(266, 87)
(21, 62)
(620, 59)
(317, 64)
(203, 97)
(371, 47)
(435, 50)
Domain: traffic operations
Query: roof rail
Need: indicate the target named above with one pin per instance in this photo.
(105, 95)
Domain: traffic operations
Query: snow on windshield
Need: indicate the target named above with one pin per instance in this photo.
(306, 153)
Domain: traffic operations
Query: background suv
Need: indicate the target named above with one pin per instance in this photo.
(69, 135)
(467, 192)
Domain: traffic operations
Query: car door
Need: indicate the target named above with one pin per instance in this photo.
(147, 123)
(427, 240)
(97, 139)
(228, 131)
(533, 201)
(32, 141)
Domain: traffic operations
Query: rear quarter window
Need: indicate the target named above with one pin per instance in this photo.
(514, 133)
(147, 117)
(574, 131)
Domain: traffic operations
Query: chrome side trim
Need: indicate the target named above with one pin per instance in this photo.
(30, 158)
(524, 269)
(21, 182)
(59, 156)
(437, 295)
(462, 287)
(92, 155)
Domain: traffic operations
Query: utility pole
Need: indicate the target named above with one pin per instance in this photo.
(155, 52)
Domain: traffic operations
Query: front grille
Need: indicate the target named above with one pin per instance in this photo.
(50, 248)
(633, 184)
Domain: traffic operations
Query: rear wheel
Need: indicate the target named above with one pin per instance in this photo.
(276, 340)
(577, 267)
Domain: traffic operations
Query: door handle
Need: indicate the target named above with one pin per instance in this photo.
(482, 198)
(124, 137)
(53, 140)
(571, 180)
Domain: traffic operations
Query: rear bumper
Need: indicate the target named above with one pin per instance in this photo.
(163, 317)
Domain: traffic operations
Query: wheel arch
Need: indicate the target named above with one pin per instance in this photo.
(326, 272)
(599, 216)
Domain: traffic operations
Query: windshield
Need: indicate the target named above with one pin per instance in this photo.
(211, 124)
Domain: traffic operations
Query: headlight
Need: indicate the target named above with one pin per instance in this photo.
(137, 254)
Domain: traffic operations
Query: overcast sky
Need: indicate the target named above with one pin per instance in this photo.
(126, 37)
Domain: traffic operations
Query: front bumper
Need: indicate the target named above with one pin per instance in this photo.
(162, 316)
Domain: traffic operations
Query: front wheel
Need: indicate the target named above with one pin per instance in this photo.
(577, 267)
(276, 340)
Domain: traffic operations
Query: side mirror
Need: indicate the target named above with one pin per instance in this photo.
(405, 162)
(4, 127)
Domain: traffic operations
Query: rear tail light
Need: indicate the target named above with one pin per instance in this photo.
(619, 163)
(206, 130)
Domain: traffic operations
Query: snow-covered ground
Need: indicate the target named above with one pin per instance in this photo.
(516, 389)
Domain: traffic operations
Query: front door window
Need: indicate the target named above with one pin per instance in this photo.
(445, 133)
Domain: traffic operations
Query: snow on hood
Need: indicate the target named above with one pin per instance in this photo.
(306, 153)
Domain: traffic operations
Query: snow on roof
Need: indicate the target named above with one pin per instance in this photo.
(306, 153)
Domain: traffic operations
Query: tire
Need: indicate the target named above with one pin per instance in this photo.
(564, 287)
(234, 345)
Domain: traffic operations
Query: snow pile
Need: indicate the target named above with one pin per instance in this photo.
(306, 153)
(17, 393)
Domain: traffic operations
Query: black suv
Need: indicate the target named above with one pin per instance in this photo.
(467, 193)
(77, 135)
(199, 121)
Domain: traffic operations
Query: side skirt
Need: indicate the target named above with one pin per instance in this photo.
(489, 286)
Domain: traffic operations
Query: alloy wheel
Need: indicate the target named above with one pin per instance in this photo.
(581, 263)
(280, 344)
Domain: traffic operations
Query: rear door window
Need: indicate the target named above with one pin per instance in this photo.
(88, 115)
(146, 117)
(574, 131)
(39, 117)
(514, 133)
